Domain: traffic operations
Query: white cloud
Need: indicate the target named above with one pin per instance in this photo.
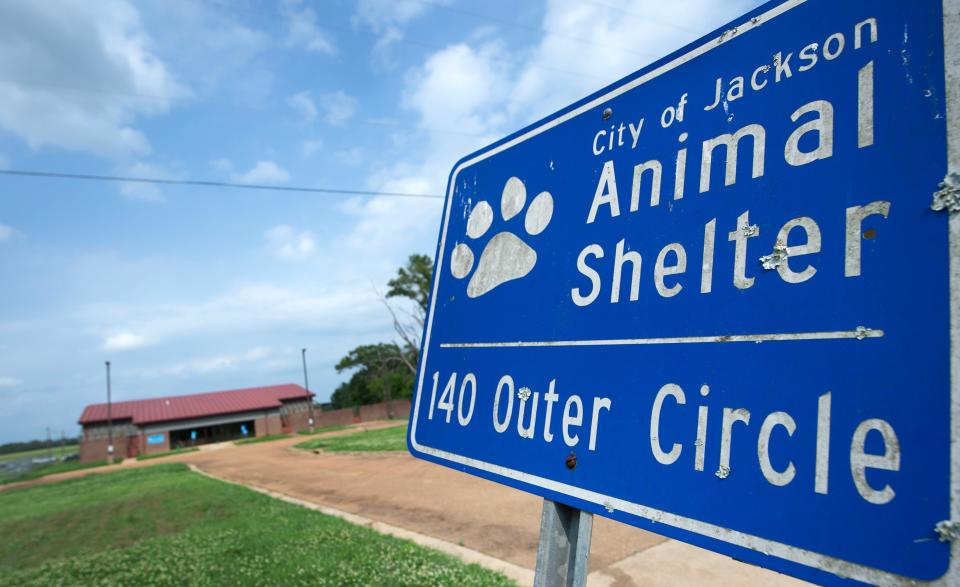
(302, 30)
(303, 105)
(393, 224)
(382, 14)
(480, 88)
(265, 172)
(222, 165)
(338, 107)
(254, 310)
(211, 48)
(78, 74)
(6, 232)
(351, 157)
(213, 364)
(9, 382)
(124, 341)
(144, 192)
(387, 19)
(310, 147)
(615, 43)
(460, 88)
(286, 243)
(485, 91)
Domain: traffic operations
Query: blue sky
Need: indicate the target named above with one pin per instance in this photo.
(188, 289)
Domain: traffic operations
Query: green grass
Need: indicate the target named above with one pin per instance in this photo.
(45, 470)
(260, 439)
(382, 440)
(40, 452)
(165, 525)
(323, 430)
(169, 453)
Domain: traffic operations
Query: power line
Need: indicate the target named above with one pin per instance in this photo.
(217, 184)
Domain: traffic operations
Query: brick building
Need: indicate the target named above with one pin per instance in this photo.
(161, 424)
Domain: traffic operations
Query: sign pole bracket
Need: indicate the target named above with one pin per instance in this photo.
(564, 547)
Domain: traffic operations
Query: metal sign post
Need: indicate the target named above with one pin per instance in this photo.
(564, 548)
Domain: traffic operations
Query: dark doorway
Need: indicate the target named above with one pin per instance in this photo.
(210, 434)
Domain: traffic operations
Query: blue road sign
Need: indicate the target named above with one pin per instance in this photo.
(713, 300)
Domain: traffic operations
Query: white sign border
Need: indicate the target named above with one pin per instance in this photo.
(846, 569)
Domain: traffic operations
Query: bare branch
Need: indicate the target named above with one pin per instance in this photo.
(407, 333)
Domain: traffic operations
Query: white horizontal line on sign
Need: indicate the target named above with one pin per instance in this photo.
(859, 333)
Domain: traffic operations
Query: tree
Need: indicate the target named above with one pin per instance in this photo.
(385, 371)
(379, 375)
(412, 283)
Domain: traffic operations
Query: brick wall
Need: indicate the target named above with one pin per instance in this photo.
(155, 448)
(267, 425)
(296, 414)
(96, 449)
(274, 425)
(93, 444)
(337, 417)
(397, 409)
(299, 421)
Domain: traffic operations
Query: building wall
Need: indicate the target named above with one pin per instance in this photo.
(93, 444)
(299, 421)
(267, 425)
(397, 409)
(340, 417)
(164, 427)
(296, 415)
(149, 449)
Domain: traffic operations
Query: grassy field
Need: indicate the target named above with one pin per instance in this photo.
(384, 439)
(169, 453)
(40, 452)
(44, 470)
(323, 430)
(259, 439)
(165, 525)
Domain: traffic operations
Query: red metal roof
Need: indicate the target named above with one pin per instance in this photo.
(182, 407)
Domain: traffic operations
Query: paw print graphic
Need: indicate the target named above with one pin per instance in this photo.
(506, 256)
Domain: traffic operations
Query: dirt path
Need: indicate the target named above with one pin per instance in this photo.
(480, 515)
(410, 493)
(462, 509)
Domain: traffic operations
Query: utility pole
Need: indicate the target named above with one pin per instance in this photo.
(49, 445)
(306, 385)
(109, 419)
(63, 447)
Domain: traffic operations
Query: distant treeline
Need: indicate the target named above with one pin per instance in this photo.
(12, 447)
